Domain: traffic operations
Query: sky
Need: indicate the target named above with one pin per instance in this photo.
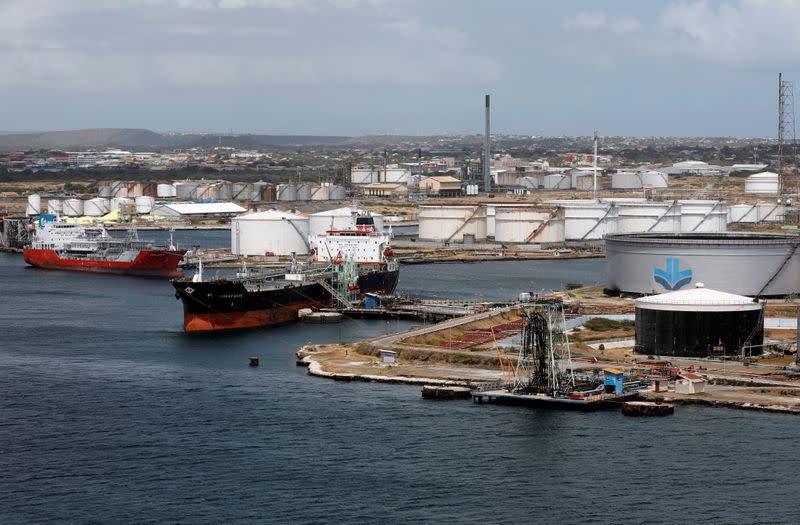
(416, 67)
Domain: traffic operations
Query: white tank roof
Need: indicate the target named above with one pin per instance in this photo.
(698, 299)
(763, 175)
(270, 215)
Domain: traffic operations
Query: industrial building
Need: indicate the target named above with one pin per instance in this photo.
(269, 232)
(752, 264)
(441, 185)
(699, 322)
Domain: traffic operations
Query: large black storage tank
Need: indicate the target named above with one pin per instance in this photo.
(698, 322)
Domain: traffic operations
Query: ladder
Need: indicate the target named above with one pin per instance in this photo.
(340, 298)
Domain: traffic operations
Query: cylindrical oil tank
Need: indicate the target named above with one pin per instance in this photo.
(556, 181)
(699, 322)
(704, 216)
(165, 191)
(225, 191)
(320, 193)
(287, 192)
(54, 206)
(119, 188)
(269, 232)
(742, 213)
(104, 191)
(144, 204)
(186, 190)
(625, 180)
(150, 189)
(96, 207)
(754, 264)
(340, 219)
(533, 182)
(363, 175)
(207, 192)
(242, 191)
(337, 193)
(584, 182)
(529, 224)
(117, 203)
(135, 189)
(268, 193)
(34, 205)
(452, 223)
(654, 179)
(770, 212)
(587, 220)
(303, 192)
(636, 217)
(72, 207)
(398, 175)
(765, 183)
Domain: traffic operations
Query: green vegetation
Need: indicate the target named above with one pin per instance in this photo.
(600, 324)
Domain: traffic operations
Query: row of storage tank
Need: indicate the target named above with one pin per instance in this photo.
(557, 221)
(584, 180)
(283, 233)
(96, 207)
(209, 191)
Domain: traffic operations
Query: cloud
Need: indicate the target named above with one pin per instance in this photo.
(597, 21)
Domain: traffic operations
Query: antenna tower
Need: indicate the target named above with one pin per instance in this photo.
(787, 148)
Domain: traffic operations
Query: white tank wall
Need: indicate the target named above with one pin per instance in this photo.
(762, 184)
(144, 204)
(587, 220)
(54, 206)
(649, 217)
(624, 180)
(742, 213)
(397, 175)
(770, 212)
(286, 192)
(531, 181)
(34, 204)
(439, 223)
(72, 208)
(556, 182)
(518, 224)
(183, 190)
(104, 191)
(119, 202)
(95, 207)
(303, 192)
(363, 176)
(164, 191)
(337, 193)
(584, 182)
(320, 193)
(654, 179)
(271, 231)
(703, 216)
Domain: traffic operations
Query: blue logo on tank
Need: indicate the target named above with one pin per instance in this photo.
(672, 277)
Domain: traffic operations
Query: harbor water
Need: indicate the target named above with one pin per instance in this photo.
(110, 414)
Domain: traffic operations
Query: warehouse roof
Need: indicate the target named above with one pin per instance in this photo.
(700, 299)
(198, 208)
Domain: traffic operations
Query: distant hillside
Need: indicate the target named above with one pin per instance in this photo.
(146, 139)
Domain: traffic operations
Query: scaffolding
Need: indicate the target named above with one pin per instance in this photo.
(544, 363)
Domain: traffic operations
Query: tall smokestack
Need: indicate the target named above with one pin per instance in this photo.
(487, 173)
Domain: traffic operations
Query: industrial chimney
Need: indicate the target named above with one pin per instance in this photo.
(487, 158)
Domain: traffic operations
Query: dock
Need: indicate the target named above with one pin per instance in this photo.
(504, 397)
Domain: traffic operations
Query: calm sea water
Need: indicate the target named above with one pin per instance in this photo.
(110, 414)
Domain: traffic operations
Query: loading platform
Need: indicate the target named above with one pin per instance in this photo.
(504, 397)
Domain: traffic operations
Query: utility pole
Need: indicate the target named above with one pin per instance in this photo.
(594, 168)
(487, 172)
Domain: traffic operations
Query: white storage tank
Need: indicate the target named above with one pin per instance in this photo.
(96, 207)
(135, 189)
(117, 203)
(242, 191)
(341, 219)
(654, 179)
(742, 213)
(764, 183)
(704, 216)
(337, 193)
(533, 182)
(303, 192)
(529, 224)
(397, 175)
(287, 192)
(257, 193)
(770, 211)
(144, 204)
(54, 206)
(271, 231)
(34, 205)
(584, 182)
(625, 180)
(452, 222)
(363, 175)
(557, 181)
(225, 191)
(320, 193)
(185, 190)
(165, 191)
(587, 220)
(657, 217)
(207, 193)
(119, 189)
(104, 191)
(72, 208)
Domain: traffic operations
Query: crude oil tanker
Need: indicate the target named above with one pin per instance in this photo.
(349, 264)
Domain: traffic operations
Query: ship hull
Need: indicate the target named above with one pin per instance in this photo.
(227, 305)
(148, 263)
